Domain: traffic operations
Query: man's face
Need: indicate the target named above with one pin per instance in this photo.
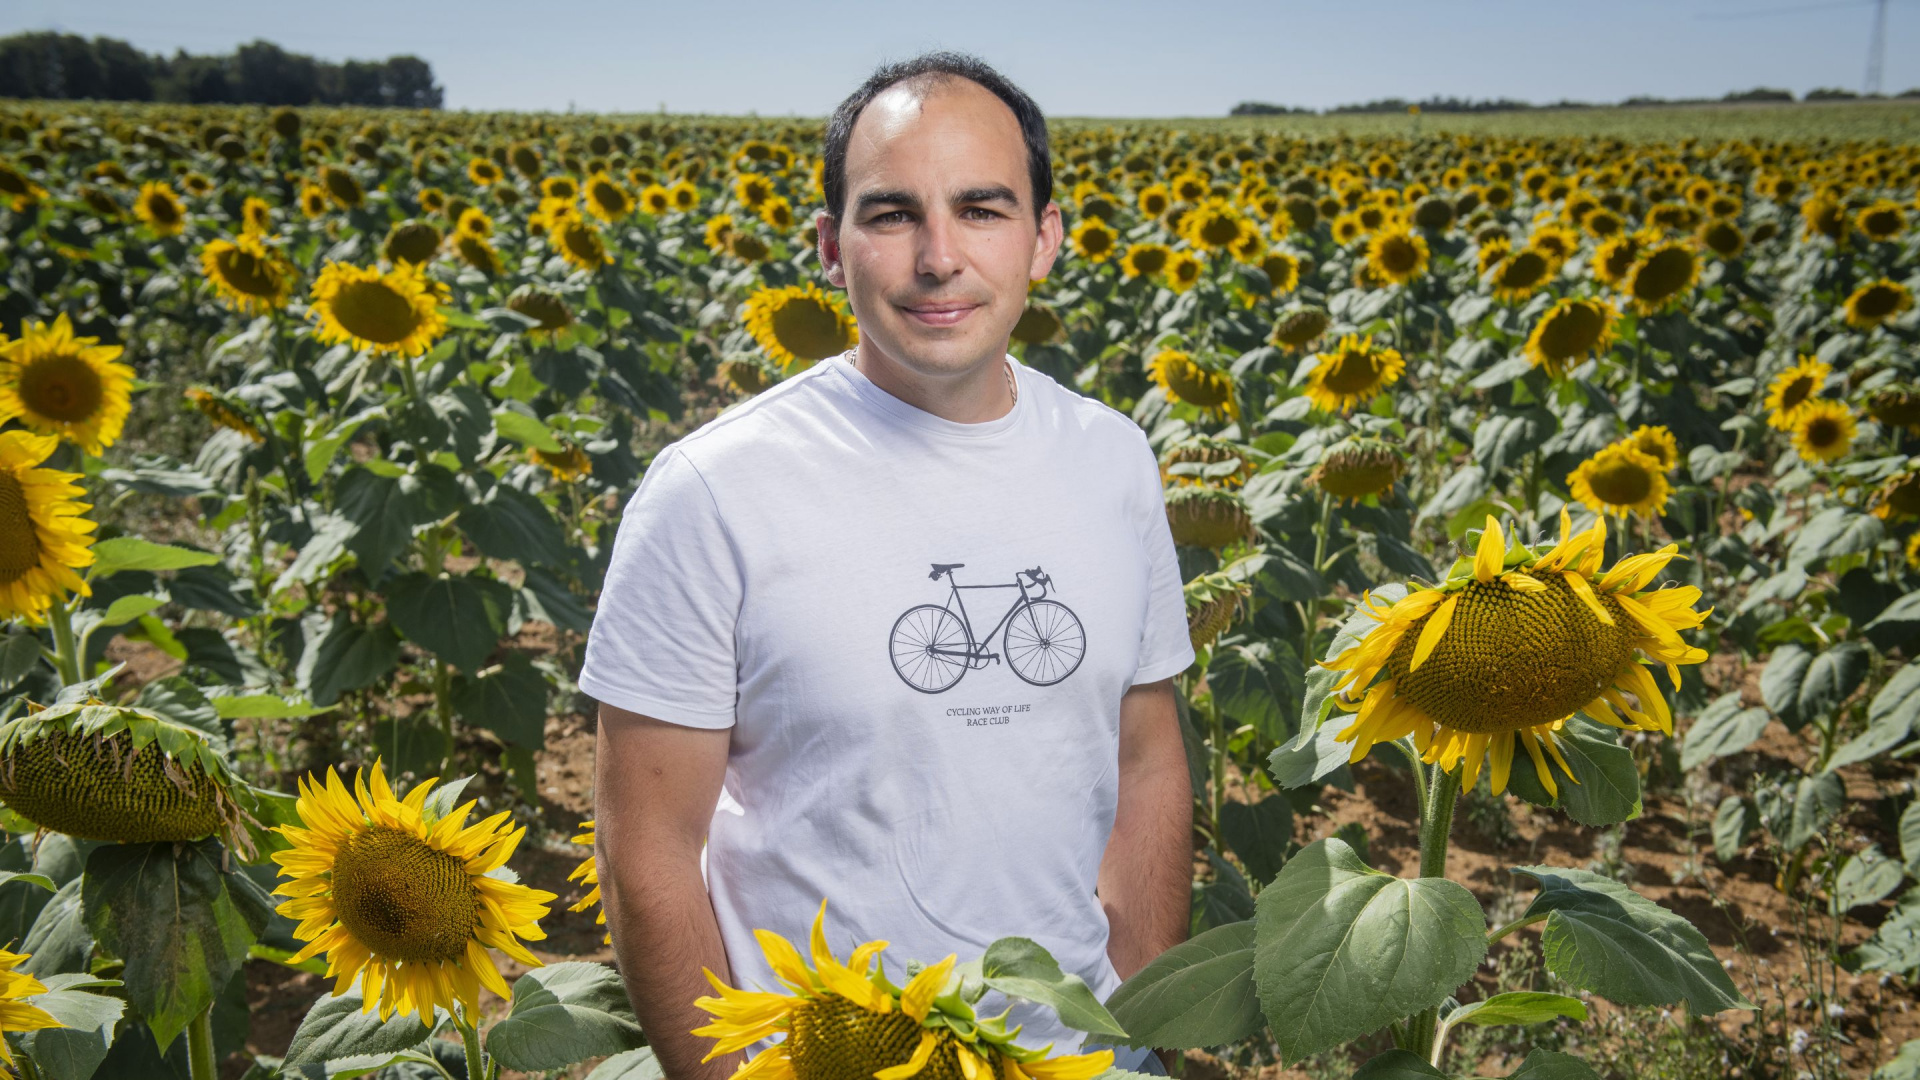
(938, 239)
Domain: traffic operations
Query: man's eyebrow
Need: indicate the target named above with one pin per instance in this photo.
(992, 193)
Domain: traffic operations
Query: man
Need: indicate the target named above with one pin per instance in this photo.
(908, 619)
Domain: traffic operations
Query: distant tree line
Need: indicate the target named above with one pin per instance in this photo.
(69, 67)
(1438, 104)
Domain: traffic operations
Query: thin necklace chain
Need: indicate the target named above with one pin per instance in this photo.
(1013, 385)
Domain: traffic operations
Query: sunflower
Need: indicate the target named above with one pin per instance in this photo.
(1658, 443)
(256, 216)
(1195, 383)
(342, 187)
(477, 253)
(578, 242)
(221, 411)
(1222, 461)
(567, 464)
(403, 902)
(15, 1013)
(1899, 497)
(1397, 254)
(160, 208)
(1569, 332)
(1792, 392)
(392, 312)
(1094, 240)
(59, 384)
(1519, 274)
(412, 241)
(313, 200)
(1213, 601)
(1913, 551)
(559, 187)
(1153, 200)
(1510, 646)
(1299, 327)
(844, 1022)
(1621, 480)
(474, 221)
(1038, 325)
(548, 309)
(1213, 225)
(1884, 220)
(1896, 406)
(1824, 431)
(251, 277)
(1661, 276)
(1353, 373)
(589, 874)
(44, 536)
(1877, 302)
(1358, 469)
(1615, 257)
(777, 212)
(606, 199)
(798, 324)
(682, 195)
(1144, 260)
(482, 172)
(1282, 269)
(18, 189)
(1183, 271)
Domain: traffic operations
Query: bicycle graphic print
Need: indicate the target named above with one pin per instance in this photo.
(933, 645)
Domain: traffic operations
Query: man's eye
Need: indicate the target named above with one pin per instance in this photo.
(890, 217)
(982, 210)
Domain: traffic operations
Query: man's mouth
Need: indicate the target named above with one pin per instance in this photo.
(941, 314)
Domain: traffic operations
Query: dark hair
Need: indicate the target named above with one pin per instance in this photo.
(935, 68)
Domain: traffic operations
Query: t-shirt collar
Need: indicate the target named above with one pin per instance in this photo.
(885, 403)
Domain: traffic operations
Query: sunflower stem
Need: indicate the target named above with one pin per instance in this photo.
(200, 1059)
(66, 657)
(1436, 821)
(470, 1039)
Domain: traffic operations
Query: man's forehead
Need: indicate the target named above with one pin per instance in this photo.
(949, 110)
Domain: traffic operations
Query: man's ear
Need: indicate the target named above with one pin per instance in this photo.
(829, 230)
(1046, 245)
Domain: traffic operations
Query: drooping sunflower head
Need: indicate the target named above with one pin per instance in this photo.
(400, 894)
(1213, 600)
(1896, 406)
(1038, 325)
(747, 376)
(1898, 498)
(1793, 390)
(396, 311)
(160, 208)
(1658, 443)
(251, 277)
(412, 242)
(1824, 431)
(799, 324)
(1207, 459)
(1358, 468)
(1194, 382)
(1620, 480)
(44, 534)
(223, 411)
(1661, 276)
(1877, 302)
(1509, 646)
(477, 253)
(59, 384)
(1207, 517)
(1299, 327)
(1355, 372)
(1569, 332)
(1723, 238)
(119, 775)
(849, 1022)
(548, 309)
(567, 464)
(1823, 215)
(1397, 254)
(342, 186)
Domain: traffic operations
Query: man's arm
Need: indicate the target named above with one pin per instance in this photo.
(1146, 873)
(655, 788)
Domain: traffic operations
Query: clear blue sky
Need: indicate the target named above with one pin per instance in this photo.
(1076, 57)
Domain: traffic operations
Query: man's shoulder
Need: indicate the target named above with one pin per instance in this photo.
(1080, 415)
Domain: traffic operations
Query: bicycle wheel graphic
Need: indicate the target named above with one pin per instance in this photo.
(1044, 642)
(929, 648)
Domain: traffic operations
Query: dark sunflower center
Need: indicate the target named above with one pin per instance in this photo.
(374, 311)
(1823, 432)
(1621, 482)
(583, 243)
(1877, 302)
(808, 329)
(608, 197)
(401, 898)
(831, 1038)
(61, 388)
(1523, 271)
(1299, 329)
(1219, 230)
(1795, 392)
(163, 209)
(246, 272)
(1397, 256)
(19, 540)
(1572, 331)
(1511, 659)
(1664, 274)
(1354, 372)
(1149, 261)
(1097, 240)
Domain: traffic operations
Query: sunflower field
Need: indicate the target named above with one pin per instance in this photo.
(1546, 506)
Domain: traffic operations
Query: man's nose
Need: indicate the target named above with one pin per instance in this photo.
(939, 255)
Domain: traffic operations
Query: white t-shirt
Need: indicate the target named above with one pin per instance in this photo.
(941, 779)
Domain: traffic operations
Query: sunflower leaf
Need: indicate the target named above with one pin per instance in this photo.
(563, 1014)
(1398, 1064)
(1020, 968)
(1198, 993)
(74, 1050)
(336, 1028)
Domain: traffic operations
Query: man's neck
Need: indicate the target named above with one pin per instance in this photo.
(973, 397)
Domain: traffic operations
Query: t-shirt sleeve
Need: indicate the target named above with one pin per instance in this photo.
(662, 643)
(1166, 649)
